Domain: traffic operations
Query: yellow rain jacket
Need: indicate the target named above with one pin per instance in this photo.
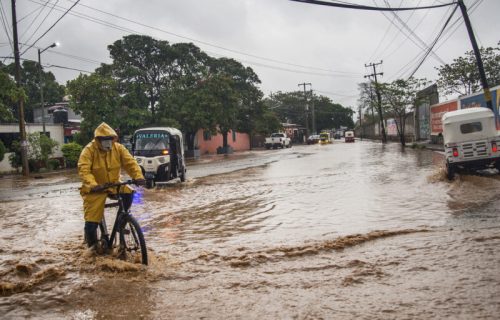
(97, 167)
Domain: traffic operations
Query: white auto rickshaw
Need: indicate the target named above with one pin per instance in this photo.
(159, 152)
(470, 140)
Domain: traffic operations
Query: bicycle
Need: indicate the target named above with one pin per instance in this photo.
(126, 230)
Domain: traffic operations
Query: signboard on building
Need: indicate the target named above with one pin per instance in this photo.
(437, 112)
(477, 100)
(392, 129)
(426, 97)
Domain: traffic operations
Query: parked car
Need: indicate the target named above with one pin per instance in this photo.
(470, 140)
(349, 136)
(278, 140)
(313, 139)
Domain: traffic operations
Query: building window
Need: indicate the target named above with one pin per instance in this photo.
(234, 136)
(207, 135)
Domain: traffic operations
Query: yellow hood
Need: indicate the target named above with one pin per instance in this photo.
(104, 130)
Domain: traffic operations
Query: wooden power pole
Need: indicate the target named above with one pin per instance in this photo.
(379, 98)
(20, 101)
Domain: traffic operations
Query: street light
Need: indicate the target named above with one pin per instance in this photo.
(41, 81)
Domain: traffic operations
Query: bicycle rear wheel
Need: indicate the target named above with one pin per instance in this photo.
(132, 244)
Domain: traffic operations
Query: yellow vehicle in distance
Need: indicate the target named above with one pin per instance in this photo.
(324, 138)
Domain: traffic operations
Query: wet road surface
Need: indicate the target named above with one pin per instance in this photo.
(342, 231)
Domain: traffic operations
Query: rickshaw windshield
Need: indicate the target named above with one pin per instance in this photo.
(151, 140)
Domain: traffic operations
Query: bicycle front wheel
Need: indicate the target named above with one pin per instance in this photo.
(132, 243)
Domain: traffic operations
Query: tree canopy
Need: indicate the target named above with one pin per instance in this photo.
(399, 99)
(291, 107)
(462, 75)
(152, 82)
(30, 79)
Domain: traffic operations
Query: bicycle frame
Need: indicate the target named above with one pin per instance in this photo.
(118, 220)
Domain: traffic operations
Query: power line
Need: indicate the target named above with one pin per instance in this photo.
(347, 5)
(385, 35)
(41, 23)
(35, 18)
(52, 26)
(422, 43)
(28, 14)
(106, 23)
(460, 21)
(434, 43)
(5, 27)
(49, 65)
(418, 57)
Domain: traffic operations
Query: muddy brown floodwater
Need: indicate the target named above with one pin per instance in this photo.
(342, 231)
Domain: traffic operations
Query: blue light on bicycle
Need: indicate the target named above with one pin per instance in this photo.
(138, 197)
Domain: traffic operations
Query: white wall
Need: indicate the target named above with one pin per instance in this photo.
(56, 132)
(5, 164)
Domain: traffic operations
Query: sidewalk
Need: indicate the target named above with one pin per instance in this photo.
(428, 145)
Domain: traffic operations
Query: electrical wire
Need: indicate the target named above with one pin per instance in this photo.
(52, 26)
(48, 65)
(422, 43)
(347, 5)
(96, 20)
(417, 58)
(5, 25)
(434, 43)
(389, 26)
(460, 21)
(41, 8)
(41, 23)
(27, 15)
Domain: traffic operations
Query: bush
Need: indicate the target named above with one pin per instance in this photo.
(2, 150)
(53, 164)
(40, 147)
(71, 152)
(15, 156)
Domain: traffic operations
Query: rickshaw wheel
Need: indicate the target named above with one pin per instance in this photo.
(150, 183)
(450, 171)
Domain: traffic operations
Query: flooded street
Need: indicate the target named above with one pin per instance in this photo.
(340, 231)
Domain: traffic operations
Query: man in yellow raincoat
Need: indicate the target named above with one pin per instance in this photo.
(100, 163)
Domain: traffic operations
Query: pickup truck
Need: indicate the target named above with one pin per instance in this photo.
(278, 140)
(470, 140)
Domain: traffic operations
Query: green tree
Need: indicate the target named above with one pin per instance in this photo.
(236, 94)
(8, 94)
(30, 79)
(331, 115)
(97, 99)
(462, 75)
(291, 107)
(399, 99)
(141, 65)
(2, 150)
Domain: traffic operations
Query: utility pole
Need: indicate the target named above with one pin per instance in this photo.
(40, 74)
(482, 75)
(361, 124)
(20, 101)
(307, 107)
(379, 98)
(313, 112)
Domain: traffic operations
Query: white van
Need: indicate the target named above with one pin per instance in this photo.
(470, 140)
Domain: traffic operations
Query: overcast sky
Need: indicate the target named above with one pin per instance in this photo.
(285, 42)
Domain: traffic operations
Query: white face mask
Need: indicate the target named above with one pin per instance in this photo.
(106, 144)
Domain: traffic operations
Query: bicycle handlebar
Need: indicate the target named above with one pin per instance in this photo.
(111, 185)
